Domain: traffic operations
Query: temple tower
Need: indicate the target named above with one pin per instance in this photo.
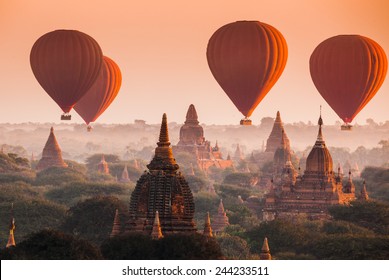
(102, 167)
(125, 178)
(11, 238)
(207, 226)
(221, 220)
(116, 229)
(274, 140)
(51, 154)
(191, 133)
(164, 189)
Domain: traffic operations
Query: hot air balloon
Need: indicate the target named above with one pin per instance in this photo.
(247, 58)
(101, 94)
(66, 63)
(348, 70)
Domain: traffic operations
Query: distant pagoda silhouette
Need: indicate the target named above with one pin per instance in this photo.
(51, 155)
(192, 141)
(220, 221)
(164, 189)
(125, 178)
(11, 238)
(274, 140)
(102, 167)
(116, 225)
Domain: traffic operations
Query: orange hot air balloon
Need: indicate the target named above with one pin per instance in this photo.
(101, 94)
(66, 63)
(348, 70)
(247, 58)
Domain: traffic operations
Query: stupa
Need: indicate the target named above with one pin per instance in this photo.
(51, 154)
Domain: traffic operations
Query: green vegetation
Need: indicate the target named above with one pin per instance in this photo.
(92, 219)
(52, 245)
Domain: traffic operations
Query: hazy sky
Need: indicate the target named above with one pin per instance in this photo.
(160, 47)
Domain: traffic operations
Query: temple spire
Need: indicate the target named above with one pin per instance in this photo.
(320, 139)
(11, 238)
(207, 226)
(116, 225)
(163, 157)
(364, 195)
(191, 115)
(265, 251)
(51, 154)
(156, 232)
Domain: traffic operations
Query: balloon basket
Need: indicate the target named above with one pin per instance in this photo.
(66, 117)
(245, 122)
(89, 128)
(346, 127)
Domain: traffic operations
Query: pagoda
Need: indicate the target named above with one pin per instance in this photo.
(116, 225)
(220, 221)
(51, 154)
(278, 131)
(164, 189)
(265, 251)
(312, 193)
(102, 167)
(124, 177)
(192, 141)
(11, 238)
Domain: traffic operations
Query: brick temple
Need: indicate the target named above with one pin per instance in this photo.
(164, 189)
(313, 192)
(192, 141)
(51, 154)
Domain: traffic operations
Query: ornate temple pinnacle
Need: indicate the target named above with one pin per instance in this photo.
(163, 158)
(163, 134)
(51, 130)
(320, 139)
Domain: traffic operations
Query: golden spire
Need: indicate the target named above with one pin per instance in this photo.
(207, 226)
(11, 238)
(116, 225)
(156, 232)
(163, 158)
(265, 251)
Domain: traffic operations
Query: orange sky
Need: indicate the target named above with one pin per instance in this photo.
(160, 47)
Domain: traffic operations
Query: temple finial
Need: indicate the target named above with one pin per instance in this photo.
(265, 251)
(207, 226)
(157, 231)
(164, 133)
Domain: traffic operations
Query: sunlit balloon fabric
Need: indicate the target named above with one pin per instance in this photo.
(66, 63)
(348, 70)
(102, 93)
(247, 58)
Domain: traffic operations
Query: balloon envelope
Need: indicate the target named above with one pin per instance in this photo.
(66, 64)
(247, 58)
(102, 93)
(348, 70)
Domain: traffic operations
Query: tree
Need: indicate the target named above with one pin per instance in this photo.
(370, 214)
(52, 245)
(130, 246)
(234, 247)
(92, 219)
(187, 247)
(57, 176)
